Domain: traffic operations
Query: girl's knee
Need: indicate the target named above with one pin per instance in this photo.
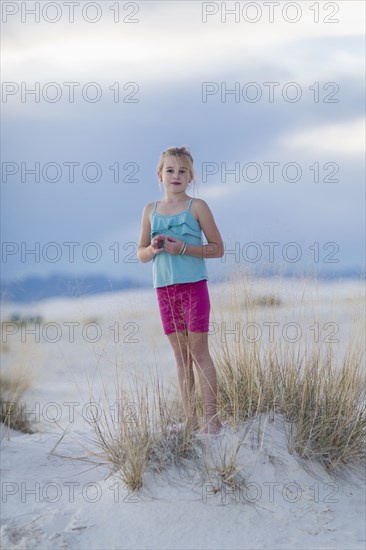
(183, 361)
(201, 358)
(199, 347)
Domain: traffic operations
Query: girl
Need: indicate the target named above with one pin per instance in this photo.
(171, 236)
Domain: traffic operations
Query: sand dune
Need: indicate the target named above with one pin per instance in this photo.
(60, 500)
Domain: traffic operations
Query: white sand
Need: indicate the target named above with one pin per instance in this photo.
(59, 501)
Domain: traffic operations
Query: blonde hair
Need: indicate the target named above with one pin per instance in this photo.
(182, 152)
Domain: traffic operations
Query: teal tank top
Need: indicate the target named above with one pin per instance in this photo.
(169, 269)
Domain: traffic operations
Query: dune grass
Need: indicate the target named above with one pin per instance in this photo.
(320, 395)
(325, 404)
(136, 435)
(13, 385)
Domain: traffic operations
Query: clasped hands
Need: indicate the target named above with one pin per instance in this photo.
(170, 245)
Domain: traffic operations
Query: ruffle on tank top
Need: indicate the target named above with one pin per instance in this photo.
(180, 225)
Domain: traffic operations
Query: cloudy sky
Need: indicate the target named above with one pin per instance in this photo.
(268, 96)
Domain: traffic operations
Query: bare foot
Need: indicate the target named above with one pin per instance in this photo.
(181, 426)
(212, 427)
(194, 426)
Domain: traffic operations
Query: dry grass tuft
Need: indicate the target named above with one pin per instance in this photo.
(13, 386)
(328, 410)
(138, 437)
(220, 469)
(323, 399)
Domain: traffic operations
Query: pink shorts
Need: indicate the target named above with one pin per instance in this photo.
(184, 306)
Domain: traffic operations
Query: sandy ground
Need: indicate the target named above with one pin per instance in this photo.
(53, 497)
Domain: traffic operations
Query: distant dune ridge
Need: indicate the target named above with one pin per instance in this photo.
(33, 288)
(40, 288)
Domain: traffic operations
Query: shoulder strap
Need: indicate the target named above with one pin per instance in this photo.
(189, 204)
(156, 202)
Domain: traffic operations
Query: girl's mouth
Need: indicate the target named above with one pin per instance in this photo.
(175, 182)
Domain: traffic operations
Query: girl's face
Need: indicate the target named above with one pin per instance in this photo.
(175, 174)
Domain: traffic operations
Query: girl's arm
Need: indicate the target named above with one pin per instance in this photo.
(147, 248)
(215, 246)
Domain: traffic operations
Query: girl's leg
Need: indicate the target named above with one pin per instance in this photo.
(198, 345)
(179, 342)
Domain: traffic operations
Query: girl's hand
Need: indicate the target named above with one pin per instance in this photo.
(173, 246)
(157, 244)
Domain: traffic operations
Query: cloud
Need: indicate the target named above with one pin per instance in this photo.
(172, 41)
(347, 138)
